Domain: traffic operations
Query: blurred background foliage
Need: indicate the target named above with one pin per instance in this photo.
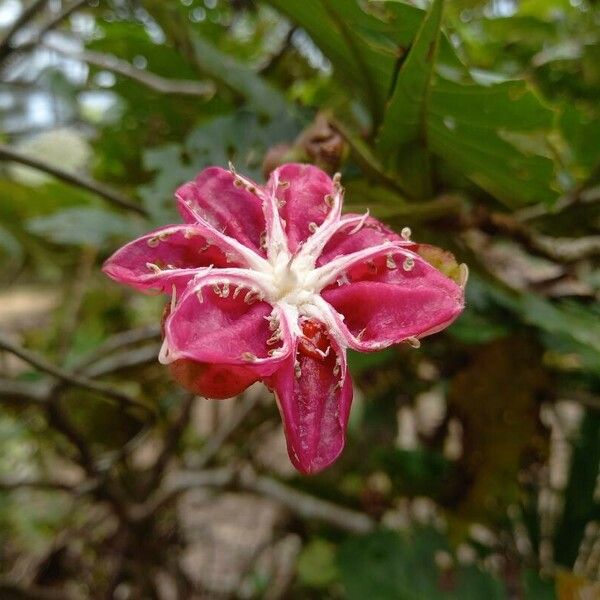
(472, 463)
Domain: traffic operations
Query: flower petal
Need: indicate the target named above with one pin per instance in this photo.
(357, 232)
(215, 198)
(391, 297)
(222, 319)
(314, 395)
(164, 257)
(212, 381)
(301, 190)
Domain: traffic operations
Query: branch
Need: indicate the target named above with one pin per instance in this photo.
(22, 20)
(214, 443)
(41, 484)
(118, 341)
(70, 378)
(172, 437)
(558, 249)
(65, 13)
(24, 391)
(123, 360)
(114, 197)
(183, 87)
(300, 503)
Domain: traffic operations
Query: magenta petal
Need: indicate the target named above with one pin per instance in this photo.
(222, 321)
(301, 192)
(162, 258)
(357, 232)
(314, 398)
(214, 198)
(393, 297)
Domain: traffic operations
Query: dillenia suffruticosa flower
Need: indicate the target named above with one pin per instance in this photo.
(272, 283)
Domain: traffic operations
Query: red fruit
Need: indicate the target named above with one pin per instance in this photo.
(315, 342)
(212, 381)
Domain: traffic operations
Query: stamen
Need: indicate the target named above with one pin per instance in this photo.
(283, 184)
(297, 370)
(414, 342)
(225, 290)
(154, 268)
(343, 279)
(237, 291)
(249, 357)
(199, 296)
(328, 200)
(153, 242)
(406, 233)
(360, 224)
(389, 262)
(312, 227)
(408, 263)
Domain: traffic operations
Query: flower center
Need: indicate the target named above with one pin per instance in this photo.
(291, 279)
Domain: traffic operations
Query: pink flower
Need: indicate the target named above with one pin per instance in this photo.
(272, 283)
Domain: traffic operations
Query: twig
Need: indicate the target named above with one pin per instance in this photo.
(71, 378)
(214, 443)
(305, 505)
(172, 438)
(24, 18)
(123, 360)
(300, 503)
(118, 341)
(10, 590)
(558, 249)
(23, 391)
(183, 87)
(65, 13)
(10, 154)
(273, 60)
(39, 484)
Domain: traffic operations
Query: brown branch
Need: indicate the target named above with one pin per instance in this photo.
(305, 505)
(183, 87)
(563, 250)
(23, 19)
(214, 442)
(14, 591)
(37, 484)
(172, 437)
(119, 341)
(10, 154)
(71, 378)
(125, 359)
(23, 391)
(57, 19)
(300, 503)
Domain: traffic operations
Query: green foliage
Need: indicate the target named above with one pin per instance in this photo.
(388, 565)
(474, 123)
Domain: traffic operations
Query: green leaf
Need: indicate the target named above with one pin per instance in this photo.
(465, 123)
(316, 564)
(242, 138)
(406, 112)
(580, 506)
(261, 95)
(83, 226)
(389, 566)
